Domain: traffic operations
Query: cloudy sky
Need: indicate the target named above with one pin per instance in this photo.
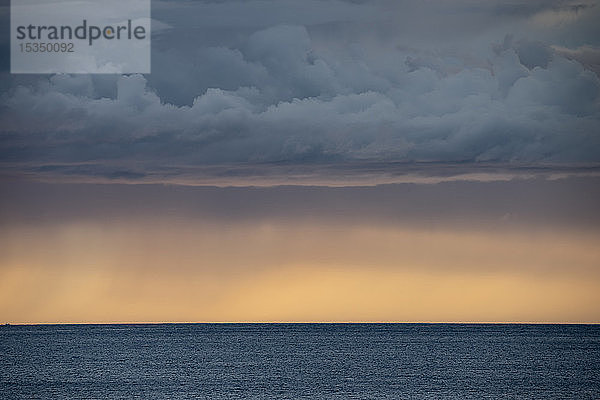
(312, 161)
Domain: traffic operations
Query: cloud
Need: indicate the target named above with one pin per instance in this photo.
(563, 14)
(588, 56)
(322, 91)
(533, 203)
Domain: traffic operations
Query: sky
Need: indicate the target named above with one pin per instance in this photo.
(318, 160)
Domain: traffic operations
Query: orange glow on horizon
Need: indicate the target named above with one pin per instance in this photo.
(308, 273)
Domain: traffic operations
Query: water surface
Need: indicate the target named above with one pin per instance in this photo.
(300, 361)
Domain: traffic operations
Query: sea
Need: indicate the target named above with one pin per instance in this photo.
(300, 361)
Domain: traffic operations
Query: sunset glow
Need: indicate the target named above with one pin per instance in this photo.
(147, 271)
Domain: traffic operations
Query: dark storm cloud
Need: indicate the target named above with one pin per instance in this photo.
(322, 82)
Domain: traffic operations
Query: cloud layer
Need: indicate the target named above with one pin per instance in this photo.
(338, 83)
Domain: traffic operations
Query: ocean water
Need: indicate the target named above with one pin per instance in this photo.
(300, 361)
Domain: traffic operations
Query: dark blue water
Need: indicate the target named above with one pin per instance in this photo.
(300, 361)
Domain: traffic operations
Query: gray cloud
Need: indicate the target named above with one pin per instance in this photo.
(347, 83)
(555, 205)
(588, 56)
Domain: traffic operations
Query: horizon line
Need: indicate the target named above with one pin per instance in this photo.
(306, 323)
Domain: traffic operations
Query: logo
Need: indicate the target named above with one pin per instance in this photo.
(80, 36)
